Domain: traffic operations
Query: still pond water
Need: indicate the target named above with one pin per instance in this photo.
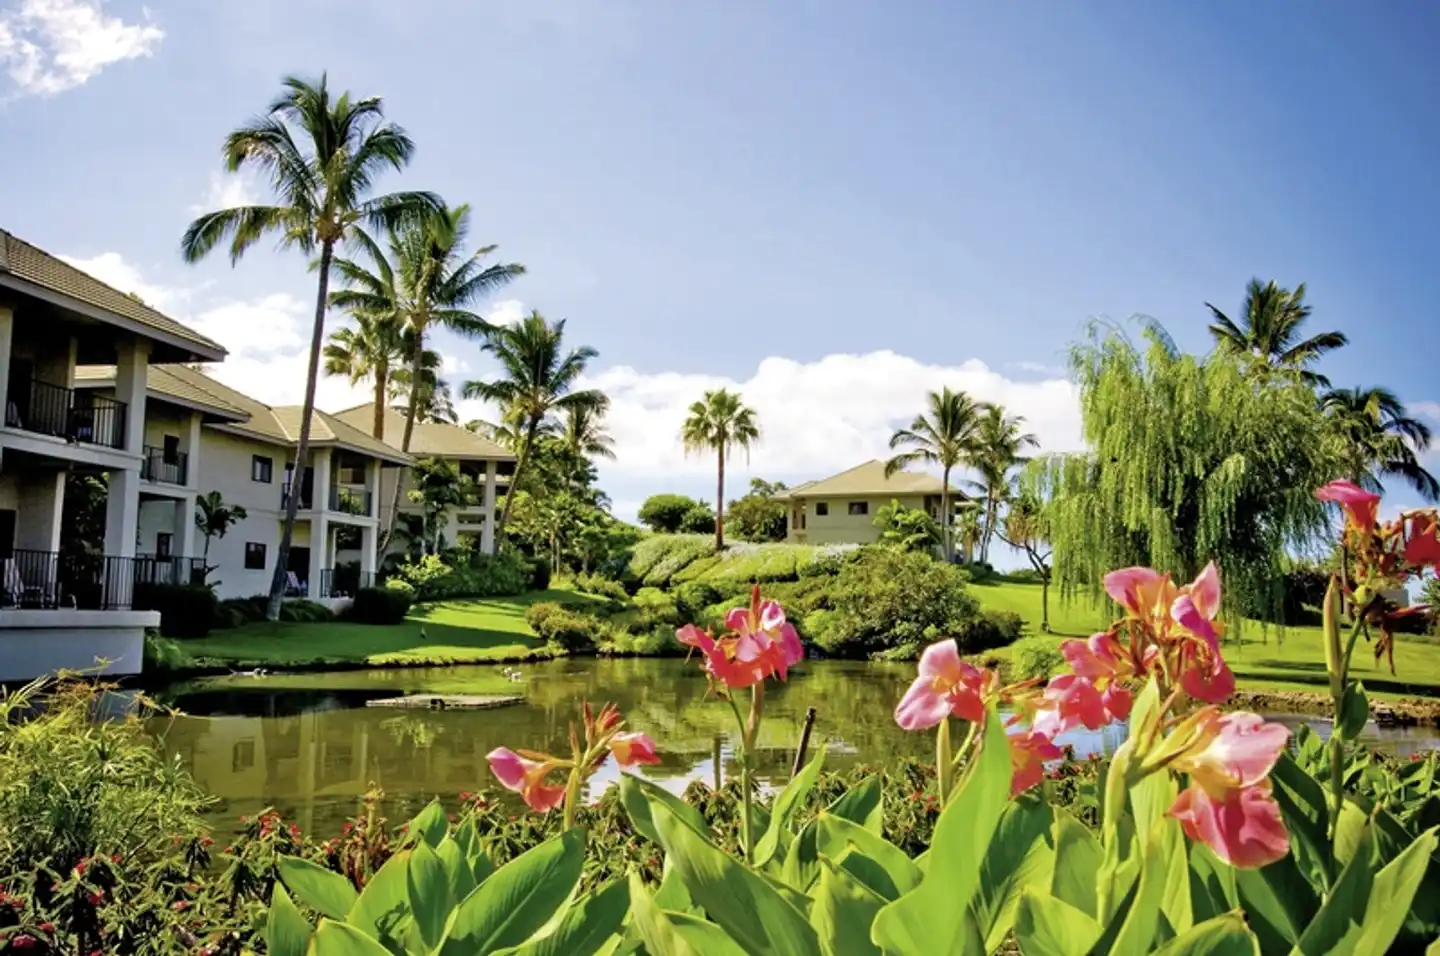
(307, 744)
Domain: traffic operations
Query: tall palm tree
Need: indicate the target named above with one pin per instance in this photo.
(539, 378)
(372, 350)
(1269, 331)
(582, 428)
(427, 280)
(1380, 438)
(435, 403)
(999, 442)
(945, 436)
(321, 155)
(719, 422)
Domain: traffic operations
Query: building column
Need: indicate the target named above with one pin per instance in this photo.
(319, 553)
(372, 485)
(369, 538)
(7, 326)
(41, 511)
(487, 533)
(320, 479)
(132, 360)
(122, 511)
(190, 445)
(184, 530)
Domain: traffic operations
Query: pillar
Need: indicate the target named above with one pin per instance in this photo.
(320, 480)
(122, 511)
(319, 553)
(372, 486)
(132, 362)
(40, 512)
(7, 327)
(184, 530)
(487, 533)
(369, 538)
(190, 445)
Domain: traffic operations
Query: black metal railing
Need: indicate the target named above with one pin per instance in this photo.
(152, 569)
(306, 497)
(350, 501)
(77, 415)
(157, 466)
(49, 580)
(344, 582)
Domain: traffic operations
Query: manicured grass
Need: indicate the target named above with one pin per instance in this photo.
(446, 632)
(1272, 658)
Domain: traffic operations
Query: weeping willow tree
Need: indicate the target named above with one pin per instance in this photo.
(1189, 461)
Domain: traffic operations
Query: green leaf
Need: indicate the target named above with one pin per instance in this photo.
(1392, 895)
(518, 899)
(1334, 928)
(586, 926)
(640, 797)
(802, 858)
(675, 934)
(1137, 932)
(672, 894)
(862, 804)
(1019, 856)
(843, 911)
(458, 874)
(834, 835)
(785, 806)
(430, 824)
(1278, 901)
(1175, 899)
(1212, 883)
(338, 939)
(735, 897)
(1305, 807)
(324, 891)
(384, 904)
(1225, 935)
(1354, 710)
(287, 932)
(1049, 926)
(431, 898)
(1078, 856)
(935, 916)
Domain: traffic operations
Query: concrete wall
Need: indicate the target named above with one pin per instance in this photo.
(839, 526)
(224, 466)
(42, 642)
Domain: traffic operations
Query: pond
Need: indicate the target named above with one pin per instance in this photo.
(307, 744)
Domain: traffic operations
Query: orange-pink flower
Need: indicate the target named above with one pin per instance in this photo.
(1422, 544)
(1361, 507)
(527, 778)
(946, 686)
(759, 643)
(633, 748)
(1028, 752)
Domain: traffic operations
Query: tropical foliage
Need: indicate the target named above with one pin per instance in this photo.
(1268, 332)
(759, 515)
(946, 436)
(721, 423)
(214, 519)
(999, 442)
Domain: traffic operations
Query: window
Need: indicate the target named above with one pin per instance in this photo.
(242, 755)
(163, 542)
(172, 450)
(254, 556)
(822, 509)
(261, 468)
(859, 507)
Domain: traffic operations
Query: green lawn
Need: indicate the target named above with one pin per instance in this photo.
(447, 632)
(1271, 658)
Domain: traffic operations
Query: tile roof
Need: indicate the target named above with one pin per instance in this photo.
(32, 264)
(164, 381)
(869, 479)
(430, 439)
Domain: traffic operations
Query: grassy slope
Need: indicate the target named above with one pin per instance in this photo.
(1271, 659)
(469, 631)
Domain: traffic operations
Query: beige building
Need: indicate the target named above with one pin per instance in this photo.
(841, 509)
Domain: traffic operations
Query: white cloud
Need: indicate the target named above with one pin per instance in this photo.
(111, 269)
(505, 312)
(228, 191)
(49, 46)
(1430, 410)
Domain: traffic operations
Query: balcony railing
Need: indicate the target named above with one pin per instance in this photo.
(157, 467)
(152, 569)
(344, 582)
(306, 496)
(350, 501)
(74, 415)
(88, 582)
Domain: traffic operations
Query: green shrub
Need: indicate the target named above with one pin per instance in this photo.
(658, 606)
(664, 513)
(658, 641)
(696, 569)
(465, 575)
(989, 630)
(602, 586)
(235, 612)
(162, 654)
(402, 587)
(700, 519)
(980, 571)
(820, 563)
(564, 628)
(539, 579)
(1035, 657)
(692, 597)
(186, 610)
(673, 553)
(888, 598)
(385, 606)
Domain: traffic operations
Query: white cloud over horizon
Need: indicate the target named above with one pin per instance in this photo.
(228, 190)
(49, 46)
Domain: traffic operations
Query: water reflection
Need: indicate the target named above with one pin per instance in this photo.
(308, 745)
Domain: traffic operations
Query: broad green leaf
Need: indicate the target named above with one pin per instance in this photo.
(1137, 932)
(802, 858)
(324, 891)
(672, 894)
(1049, 926)
(457, 868)
(1212, 883)
(467, 838)
(338, 939)
(935, 917)
(1175, 899)
(1020, 855)
(733, 896)
(863, 804)
(1225, 935)
(430, 824)
(384, 905)
(843, 911)
(586, 926)
(703, 938)
(1335, 928)
(287, 932)
(431, 898)
(784, 808)
(1351, 833)
(1391, 896)
(517, 899)
(1278, 901)
(1354, 710)
(1305, 807)
(871, 874)
(1150, 799)
(833, 835)
(639, 796)
(665, 936)
(1078, 856)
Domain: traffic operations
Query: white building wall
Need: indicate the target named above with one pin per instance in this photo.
(224, 465)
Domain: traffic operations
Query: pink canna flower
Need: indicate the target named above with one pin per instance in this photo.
(1096, 658)
(946, 686)
(1143, 592)
(633, 748)
(1242, 827)
(1028, 752)
(1361, 507)
(760, 643)
(1422, 544)
(527, 778)
(1206, 677)
(1117, 701)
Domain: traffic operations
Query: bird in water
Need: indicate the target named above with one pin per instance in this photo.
(512, 674)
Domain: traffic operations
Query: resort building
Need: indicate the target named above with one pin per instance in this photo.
(63, 605)
(841, 509)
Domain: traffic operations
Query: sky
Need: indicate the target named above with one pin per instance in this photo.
(832, 207)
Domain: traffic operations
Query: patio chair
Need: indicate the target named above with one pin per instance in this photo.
(17, 593)
(294, 586)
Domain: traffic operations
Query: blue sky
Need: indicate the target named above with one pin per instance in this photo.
(832, 206)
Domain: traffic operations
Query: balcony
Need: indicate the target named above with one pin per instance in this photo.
(351, 501)
(344, 582)
(306, 498)
(172, 470)
(76, 415)
(51, 580)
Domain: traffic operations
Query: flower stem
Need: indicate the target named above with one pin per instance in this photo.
(1337, 742)
(944, 762)
(572, 795)
(743, 757)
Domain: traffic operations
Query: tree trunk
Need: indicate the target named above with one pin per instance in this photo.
(530, 431)
(302, 448)
(946, 518)
(416, 361)
(382, 386)
(991, 509)
(720, 502)
(1045, 601)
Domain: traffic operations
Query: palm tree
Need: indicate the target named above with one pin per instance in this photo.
(583, 430)
(321, 156)
(539, 378)
(719, 422)
(1380, 438)
(945, 437)
(435, 403)
(372, 350)
(998, 443)
(425, 280)
(1269, 331)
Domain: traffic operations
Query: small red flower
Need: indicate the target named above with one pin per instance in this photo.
(23, 941)
(180, 906)
(96, 898)
(80, 867)
(46, 927)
